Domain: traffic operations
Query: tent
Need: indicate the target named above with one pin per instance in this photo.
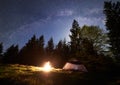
(75, 66)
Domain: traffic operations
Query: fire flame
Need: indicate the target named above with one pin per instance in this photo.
(47, 67)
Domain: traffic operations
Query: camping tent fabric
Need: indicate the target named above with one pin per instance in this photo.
(71, 66)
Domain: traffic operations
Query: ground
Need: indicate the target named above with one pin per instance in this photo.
(15, 74)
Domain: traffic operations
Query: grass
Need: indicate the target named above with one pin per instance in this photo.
(15, 74)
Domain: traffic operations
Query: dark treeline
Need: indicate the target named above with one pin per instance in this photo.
(84, 45)
(95, 48)
(36, 53)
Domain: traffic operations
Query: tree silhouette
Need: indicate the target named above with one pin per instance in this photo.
(40, 50)
(41, 44)
(10, 56)
(112, 13)
(75, 38)
(1, 49)
(1, 52)
(62, 53)
(50, 47)
(32, 52)
(97, 36)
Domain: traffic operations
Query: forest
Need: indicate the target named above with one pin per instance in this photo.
(97, 49)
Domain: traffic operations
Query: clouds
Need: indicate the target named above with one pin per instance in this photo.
(65, 12)
(93, 11)
(90, 21)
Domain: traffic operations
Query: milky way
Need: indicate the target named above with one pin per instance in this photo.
(21, 19)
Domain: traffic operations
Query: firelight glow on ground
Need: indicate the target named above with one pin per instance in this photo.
(47, 67)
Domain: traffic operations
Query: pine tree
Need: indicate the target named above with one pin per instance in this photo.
(11, 54)
(41, 44)
(1, 49)
(59, 48)
(62, 52)
(75, 38)
(1, 52)
(40, 52)
(50, 52)
(50, 46)
(29, 54)
(112, 13)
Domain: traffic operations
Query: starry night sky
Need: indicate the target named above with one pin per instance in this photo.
(21, 19)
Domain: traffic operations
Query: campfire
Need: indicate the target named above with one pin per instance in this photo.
(47, 67)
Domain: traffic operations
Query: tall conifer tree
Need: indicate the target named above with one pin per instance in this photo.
(112, 13)
(75, 38)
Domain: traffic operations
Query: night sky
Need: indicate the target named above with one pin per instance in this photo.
(21, 19)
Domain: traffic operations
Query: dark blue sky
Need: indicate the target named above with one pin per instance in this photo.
(20, 19)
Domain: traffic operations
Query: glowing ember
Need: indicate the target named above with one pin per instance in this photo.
(47, 67)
